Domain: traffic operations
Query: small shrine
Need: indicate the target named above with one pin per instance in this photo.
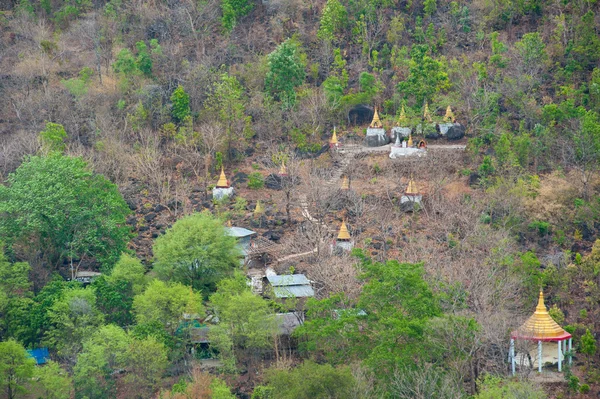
(448, 121)
(406, 148)
(540, 327)
(333, 142)
(401, 130)
(283, 170)
(223, 188)
(344, 240)
(376, 135)
(259, 210)
(345, 184)
(412, 198)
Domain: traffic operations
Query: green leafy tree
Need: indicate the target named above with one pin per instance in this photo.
(197, 251)
(16, 368)
(427, 76)
(228, 103)
(14, 285)
(233, 10)
(180, 108)
(56, 207)
(72, 318)
(246, 323)
(588, 345)
(286, 72)
(130, 270)
(307, 381)
(114, 299)
(532, 50)
(586, 44)
(143, 60)
(165, 304)
(429, 7)
(145, 361)
(53, 137)
(53, 381)
(333, 20)
(337, 81)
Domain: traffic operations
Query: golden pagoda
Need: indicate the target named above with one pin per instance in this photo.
(334, 140)
(258, 210)
(222, 183)
(345, 183)
(402, 118)
(410, 141)
(412, 188)
(229, 223)
(376, 122)
(449, 117)
(283, 169)
(541, 326)
(343, 234)
(426, 114)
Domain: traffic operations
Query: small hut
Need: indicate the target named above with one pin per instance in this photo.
(541, 327)
(223, 188)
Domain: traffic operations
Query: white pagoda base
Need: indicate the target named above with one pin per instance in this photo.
(220, 192)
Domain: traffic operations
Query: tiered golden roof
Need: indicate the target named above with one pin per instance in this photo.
(258, 210)
(426, 114)
(344, 234)
(333, 139)
(449, 117)
(402, 118)
(412, 188)
(410, 141)
(222, 183)
(541, 326)
(283, 169)
(376, 122)
(345, 183)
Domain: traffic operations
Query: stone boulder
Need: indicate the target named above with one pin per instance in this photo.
(431, 133)
(376, 137)
(456, 132)
(400, 131)
(273, 182)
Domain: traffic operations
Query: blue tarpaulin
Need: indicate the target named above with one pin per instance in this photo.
(40, 355)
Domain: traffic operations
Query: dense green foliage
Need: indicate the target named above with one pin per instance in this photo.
(57, 206)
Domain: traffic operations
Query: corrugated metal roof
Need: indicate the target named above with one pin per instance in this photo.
(293, 291)
(287, 280)
(239, 232)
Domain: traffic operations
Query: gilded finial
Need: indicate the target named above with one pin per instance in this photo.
(343, 234)
(449, 117)
(334, 139)
(283, 169)
(258, 210)
(229, 223)
(426, 114)
(345, 183)
(222, 183)
(376, 123)
(410, 141)
(402, 118)
(412, 187)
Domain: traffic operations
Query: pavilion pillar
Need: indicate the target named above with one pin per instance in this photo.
(559, 356)
(539, 356)
(512, 355)
(570, 351)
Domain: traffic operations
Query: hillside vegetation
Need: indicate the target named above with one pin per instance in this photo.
(118, 117)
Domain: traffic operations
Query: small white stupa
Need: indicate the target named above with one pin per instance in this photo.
(344, 240)
(412, 198)
(376, 136)
(223, 188)
(401, 129)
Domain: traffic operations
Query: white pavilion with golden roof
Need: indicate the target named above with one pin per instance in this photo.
(541, 327)
(344, 239)
(223, 187)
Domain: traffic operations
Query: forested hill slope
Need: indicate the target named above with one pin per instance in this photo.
(118, 118)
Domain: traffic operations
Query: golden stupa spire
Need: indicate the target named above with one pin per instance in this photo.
(541, 326)
(402, 118)
(283, 169)
(412, 187)
(258, 210)
(222, 183)
(345, 183)
(343, 234)
(376, 122)
(410, 141)
(426, 114)
(229, 223)
(449, 117)
(333, 139)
